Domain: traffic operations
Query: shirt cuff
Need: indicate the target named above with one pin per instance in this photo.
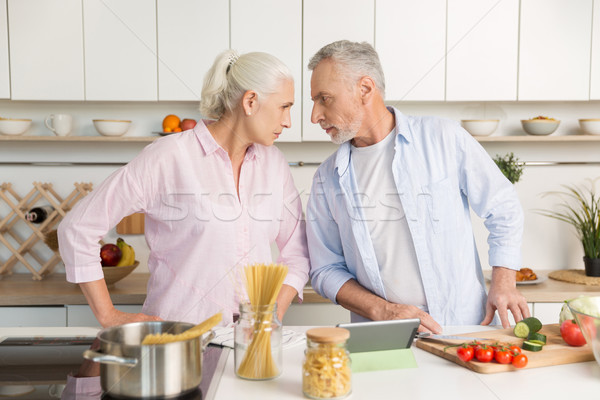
(87, 273)
(297, 283)
(505, 257)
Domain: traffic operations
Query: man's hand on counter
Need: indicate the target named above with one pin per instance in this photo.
(504, 296)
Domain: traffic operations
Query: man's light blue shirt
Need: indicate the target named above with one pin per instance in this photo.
(440, 171)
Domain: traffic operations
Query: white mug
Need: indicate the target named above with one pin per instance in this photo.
(61, 124)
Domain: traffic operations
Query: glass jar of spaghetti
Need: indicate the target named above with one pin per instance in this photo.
(257, 342)
(326, 372)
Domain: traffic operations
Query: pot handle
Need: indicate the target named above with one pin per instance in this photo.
(109, 359)
(207, 339)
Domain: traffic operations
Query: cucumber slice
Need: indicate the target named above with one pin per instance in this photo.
(532, 346)
(527, 326)
(537, 337)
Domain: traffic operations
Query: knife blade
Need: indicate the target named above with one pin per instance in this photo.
(431, 336)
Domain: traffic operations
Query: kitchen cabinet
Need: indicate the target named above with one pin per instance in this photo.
(46, 50)
(483, 42)
(190, 35)
(554, 52)
(32, 316)
(595, 69)
(325, 22)
(120, 50)
(410, 37)
(278, 32)
(4, 71)
(82, 315)
(547, 313)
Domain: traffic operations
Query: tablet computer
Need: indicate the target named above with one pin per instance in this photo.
(381, 335)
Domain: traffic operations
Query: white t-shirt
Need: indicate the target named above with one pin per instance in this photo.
(384, 214)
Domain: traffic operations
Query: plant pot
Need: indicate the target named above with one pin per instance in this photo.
(592, 266)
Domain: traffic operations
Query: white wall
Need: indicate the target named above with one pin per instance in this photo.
(547, 244)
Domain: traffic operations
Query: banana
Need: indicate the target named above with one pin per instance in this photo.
(128, 257)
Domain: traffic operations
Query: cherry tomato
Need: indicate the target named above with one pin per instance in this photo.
(515, 350)
(484, 353)
(503, 355)
(519, 361)
(465, 352)
(571, 333)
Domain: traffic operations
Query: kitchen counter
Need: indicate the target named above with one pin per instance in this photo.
(21, 290)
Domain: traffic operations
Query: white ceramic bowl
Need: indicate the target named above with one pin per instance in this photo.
(539, 126)
(9, 126)
(111, 127)
(480, 127)
(590, 126)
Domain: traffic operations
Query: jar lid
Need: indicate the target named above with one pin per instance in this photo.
(328, 335)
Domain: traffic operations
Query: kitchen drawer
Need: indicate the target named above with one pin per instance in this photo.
(315, 314)
(33, 316)
(82, 315)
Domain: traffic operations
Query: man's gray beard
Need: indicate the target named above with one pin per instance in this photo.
(344, 135)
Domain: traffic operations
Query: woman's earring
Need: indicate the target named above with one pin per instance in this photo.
(249, 113)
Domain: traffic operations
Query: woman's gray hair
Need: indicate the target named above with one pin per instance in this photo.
(231, 75)
(354, 59)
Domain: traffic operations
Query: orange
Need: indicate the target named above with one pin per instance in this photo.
(170, 122)
(178, 129)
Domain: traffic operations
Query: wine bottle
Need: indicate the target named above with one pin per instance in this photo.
(37, 215)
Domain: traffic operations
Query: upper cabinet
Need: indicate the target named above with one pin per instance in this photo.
(554, 53)
(278, 32)
(190, 35)
(4, 70)
(595, 71)
(46, 50)
(410, 37)
(483, 41)
(326, 22)
(120, 49)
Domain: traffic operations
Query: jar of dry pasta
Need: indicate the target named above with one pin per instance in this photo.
(326, 372)
(258, 342)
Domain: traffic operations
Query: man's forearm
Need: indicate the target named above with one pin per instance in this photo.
(361, 301)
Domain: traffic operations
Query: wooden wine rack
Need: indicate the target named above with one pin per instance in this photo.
(35, 263)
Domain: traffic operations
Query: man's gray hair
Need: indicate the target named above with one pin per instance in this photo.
(354, 60)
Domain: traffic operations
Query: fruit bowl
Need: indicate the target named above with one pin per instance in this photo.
(586, 310)
(590, 126)
(480, 127)
(115, 274)
(540, 127)
(9, 126)
(111, 127)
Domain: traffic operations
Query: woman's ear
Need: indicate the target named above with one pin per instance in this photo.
(249, 101)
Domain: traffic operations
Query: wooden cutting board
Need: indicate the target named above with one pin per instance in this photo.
(555, 352)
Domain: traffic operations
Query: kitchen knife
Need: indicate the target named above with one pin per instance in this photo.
(427, 335)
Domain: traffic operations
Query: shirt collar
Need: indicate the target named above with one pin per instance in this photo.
(342, 160)
(210, 145)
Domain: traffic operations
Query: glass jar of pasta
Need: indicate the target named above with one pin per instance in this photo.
(257, 342)
(326, 372)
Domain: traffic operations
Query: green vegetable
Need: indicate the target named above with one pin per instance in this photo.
(527, 326)
(537, 337)
(532, 346)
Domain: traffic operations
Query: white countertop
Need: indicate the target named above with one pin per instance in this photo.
(434, 378)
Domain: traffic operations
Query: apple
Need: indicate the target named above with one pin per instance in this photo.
(110, 254)
(187, 124)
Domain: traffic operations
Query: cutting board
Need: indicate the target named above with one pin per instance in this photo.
(131, 225)
(555, 352)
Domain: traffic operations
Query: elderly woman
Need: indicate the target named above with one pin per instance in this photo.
(215, 198)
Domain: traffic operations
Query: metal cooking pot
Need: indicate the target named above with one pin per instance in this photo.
(129, 369)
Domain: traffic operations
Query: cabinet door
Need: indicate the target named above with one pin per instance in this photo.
(46, 50)
(82, 315)
(326, 21)
(4, 74)
(595, 75)
(410, 37)
(483, 46)
(32, 316)
(547, 313)
(120, 50)
(258, 34)
(554, 54)
(190, 35)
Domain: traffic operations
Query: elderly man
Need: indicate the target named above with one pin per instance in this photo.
(388, 221)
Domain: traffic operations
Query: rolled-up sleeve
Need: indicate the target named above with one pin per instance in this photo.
(291, 238)
(328, 266)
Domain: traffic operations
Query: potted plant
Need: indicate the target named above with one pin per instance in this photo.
(581, 209)
(510, 167)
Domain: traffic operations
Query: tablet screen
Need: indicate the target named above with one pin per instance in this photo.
(381, 335)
